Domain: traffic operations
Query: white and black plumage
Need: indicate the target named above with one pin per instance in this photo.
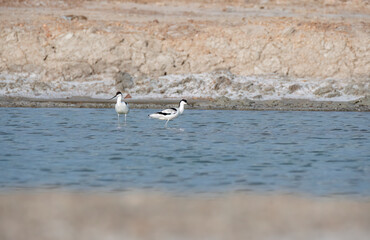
(121, 107)
(171, 113)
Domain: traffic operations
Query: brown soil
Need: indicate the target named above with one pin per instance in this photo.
(62, 42)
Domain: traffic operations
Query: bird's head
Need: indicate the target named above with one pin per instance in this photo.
(117, 94)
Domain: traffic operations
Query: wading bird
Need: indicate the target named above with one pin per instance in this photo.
(171, 113)
(121, 107)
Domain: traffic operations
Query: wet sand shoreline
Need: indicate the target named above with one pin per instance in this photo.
(223, 103)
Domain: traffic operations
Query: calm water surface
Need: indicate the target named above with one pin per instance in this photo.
(315, 153)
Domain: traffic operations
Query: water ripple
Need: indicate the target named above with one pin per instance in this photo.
(320, 153)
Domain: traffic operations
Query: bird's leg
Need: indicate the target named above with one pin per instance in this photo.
(165, 125)
(118, 118)
(125, 117)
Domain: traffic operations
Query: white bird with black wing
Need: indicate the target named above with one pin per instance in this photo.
(171, 113)
(121, 107)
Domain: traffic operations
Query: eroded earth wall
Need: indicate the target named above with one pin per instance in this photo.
(96, 47)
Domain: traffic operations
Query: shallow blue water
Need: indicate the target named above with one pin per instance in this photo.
(314, 153)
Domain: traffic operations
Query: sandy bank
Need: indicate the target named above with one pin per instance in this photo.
(224, 103)
(271, 49)
(152, 216)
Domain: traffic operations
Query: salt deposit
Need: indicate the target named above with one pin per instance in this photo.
(206, 85)
(218, 84)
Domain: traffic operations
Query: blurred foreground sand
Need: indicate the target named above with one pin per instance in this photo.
(39, 216)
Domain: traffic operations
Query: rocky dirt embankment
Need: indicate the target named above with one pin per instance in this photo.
(93, 48)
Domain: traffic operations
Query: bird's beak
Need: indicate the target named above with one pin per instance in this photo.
(112, 97)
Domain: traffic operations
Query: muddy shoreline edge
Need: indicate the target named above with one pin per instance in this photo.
(223, 103)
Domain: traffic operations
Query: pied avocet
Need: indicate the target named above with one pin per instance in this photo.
(171, 113)
(121, 107)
